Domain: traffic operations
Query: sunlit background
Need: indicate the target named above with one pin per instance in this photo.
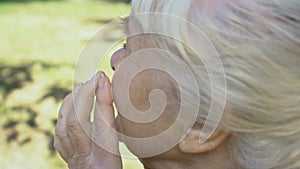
(40, 42)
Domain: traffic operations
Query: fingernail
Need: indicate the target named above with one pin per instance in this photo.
(75, 90)
(94, 78)
(102, 81)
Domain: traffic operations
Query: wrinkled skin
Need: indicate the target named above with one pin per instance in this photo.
(72, 140)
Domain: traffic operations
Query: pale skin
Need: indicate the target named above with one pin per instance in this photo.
(72, 142)
(80, 152)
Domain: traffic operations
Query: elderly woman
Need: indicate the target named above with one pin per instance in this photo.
(258, 44)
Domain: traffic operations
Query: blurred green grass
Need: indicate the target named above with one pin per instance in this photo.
(40, 43)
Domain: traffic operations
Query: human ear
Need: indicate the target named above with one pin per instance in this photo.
(191, 144)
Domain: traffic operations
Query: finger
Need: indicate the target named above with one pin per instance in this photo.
(61, 141)
(79, 126)
(104, 137)
(104, 101)
(66, 107)
(84, 99)
(65, 153)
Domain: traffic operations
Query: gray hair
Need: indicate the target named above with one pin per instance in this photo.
(258, 42)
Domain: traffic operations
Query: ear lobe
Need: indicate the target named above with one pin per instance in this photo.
(190, 144)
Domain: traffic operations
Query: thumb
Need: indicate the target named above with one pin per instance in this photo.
(103, 128)
(104, 102)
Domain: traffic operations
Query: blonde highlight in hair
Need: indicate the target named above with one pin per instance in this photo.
(259, 44)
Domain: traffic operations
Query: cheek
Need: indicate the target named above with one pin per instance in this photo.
(137, 43)
(144, 130)
(138, 130)
(138, 97)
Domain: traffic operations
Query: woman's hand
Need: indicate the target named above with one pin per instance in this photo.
(77, 139)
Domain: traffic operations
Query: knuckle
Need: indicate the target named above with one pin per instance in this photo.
(60, 134)
(74, 126)
(57, 131)
(60, 117)
(88, 89)
(68, 97)
(100, 100)
(65, 104)
(86, 85)
(72, 120)
(56, 144)
(67, 100)
(76, 88)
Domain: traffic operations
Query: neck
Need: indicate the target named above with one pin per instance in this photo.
(216, 159)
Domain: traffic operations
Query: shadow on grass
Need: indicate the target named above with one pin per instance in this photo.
(125, 1)
(11, 124)
(25, 1)
(12, 133)
(56, 92)
(15, 77)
